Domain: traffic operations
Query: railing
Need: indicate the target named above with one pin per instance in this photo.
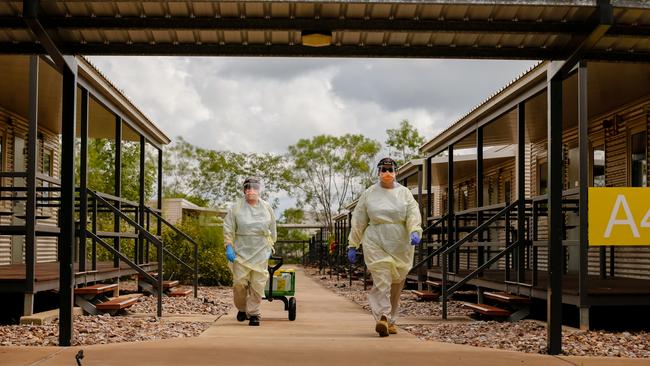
(426, 231)
(186, 237)
(103, 199)
(158, 283)
(447, 292)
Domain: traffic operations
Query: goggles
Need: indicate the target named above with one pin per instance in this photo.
(253, 186)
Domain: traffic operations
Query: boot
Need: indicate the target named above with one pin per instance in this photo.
(382, 326)
(254, 320)
(392, 329)
(241, 316)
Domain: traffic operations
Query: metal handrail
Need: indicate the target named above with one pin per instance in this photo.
(480, 228)
(446, 293)
(491, 261)
(435, 252)
(186, 237)
(148, 235)
(435, 223)
(123, 258)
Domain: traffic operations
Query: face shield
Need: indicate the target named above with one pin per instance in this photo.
(387, 170)
(253, 188)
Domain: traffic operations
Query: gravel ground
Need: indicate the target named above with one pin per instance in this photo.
(103, 329)
(524, 336)
(100, 329)
(211, 301)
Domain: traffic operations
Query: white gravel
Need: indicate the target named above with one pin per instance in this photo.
(524, 336)
(103, 329)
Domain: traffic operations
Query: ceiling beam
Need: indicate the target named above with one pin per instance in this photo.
(601, 20)
(31, 13)
(331, 24)
(167, 49)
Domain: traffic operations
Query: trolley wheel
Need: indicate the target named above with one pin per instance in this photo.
(292, 309)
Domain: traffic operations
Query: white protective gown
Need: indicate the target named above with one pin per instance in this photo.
(252, 230)
(382, 222)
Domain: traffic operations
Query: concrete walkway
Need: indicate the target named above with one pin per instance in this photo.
(329, 330)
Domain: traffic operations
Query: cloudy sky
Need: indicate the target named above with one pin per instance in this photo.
(266, 104)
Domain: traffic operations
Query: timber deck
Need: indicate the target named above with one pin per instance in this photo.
(601, 291)
(12, 277)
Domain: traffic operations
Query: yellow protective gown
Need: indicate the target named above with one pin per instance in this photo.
(382, 222)
(252, 231)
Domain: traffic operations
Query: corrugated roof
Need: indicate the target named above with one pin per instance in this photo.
(371, 28)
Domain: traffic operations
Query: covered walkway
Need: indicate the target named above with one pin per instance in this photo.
(329, 329)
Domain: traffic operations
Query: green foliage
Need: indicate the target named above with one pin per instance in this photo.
(328, 171)
(213, 268)
(214, 177)
(101, 168)
(291, 252)
(403, 142)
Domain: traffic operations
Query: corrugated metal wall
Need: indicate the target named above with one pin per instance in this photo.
(631, 262)
(46, 246)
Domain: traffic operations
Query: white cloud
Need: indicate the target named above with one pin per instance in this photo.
(265, 105)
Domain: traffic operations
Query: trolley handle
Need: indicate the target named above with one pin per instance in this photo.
(278, 264)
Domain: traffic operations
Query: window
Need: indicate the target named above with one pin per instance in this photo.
(463, 197)
(639, 159)
(598, 167)
(47, 162)
(542, 173)
(490, 192)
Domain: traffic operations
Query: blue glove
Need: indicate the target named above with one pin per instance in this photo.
(415, 238)
(352, 255)
(230, 253)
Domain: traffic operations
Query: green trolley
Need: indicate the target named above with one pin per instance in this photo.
(282, 286)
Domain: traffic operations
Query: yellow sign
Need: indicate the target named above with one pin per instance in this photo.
(619, 216)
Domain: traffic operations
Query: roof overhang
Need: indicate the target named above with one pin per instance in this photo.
(511, 29)
(106, 102)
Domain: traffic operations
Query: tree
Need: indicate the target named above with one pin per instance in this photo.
(404, 142)
(328, 171)
(212, 177)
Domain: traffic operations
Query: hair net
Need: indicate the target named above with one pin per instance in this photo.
(386, 164)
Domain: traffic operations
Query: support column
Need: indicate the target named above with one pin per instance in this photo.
(520, 254)
(583, 136)
(421, 271)
(118, 186)
(450, 227)
(429, 207)
(67, 214)
(30, 207)
(140, 245)
(159, 251)
(479, 194)
(555, 252)
(83, 181)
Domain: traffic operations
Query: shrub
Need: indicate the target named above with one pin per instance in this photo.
(213, 269)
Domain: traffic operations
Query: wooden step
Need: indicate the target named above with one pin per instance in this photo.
(170, 284)
(506, 298)
(117, 303)
(488, 310)
(180, 292)
(438, 283)
(426, 295)
(96, 289)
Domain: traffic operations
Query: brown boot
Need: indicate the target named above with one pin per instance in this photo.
(382, 327)
(392, 329)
